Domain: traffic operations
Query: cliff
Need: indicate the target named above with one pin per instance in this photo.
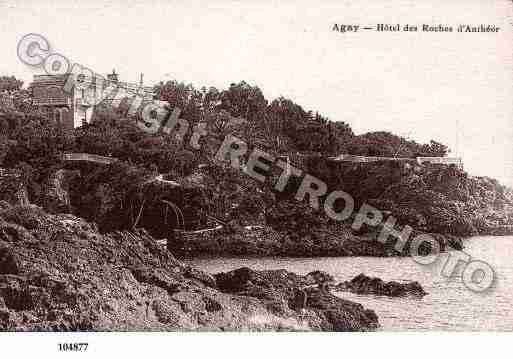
(440, 200)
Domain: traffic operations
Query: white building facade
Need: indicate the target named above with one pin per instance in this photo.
(75, 107)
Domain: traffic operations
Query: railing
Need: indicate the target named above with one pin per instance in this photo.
(49, 78)
(89, 158)
(441, 160)
(51, 101)
(420, 160)
(354, 158)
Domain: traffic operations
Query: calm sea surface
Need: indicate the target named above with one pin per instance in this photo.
(449, 304)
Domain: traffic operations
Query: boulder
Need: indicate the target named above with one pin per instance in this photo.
(362, 284)
(283, 291)
(202, 277)
(319, 277)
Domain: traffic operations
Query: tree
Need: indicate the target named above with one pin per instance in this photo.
(340, 134)
(386, 144)
(184, 97)
(434, 149)
(10, 83)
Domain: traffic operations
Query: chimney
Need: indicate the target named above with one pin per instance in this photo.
(113, 76)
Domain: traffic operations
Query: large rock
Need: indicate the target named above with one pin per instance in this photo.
(319, 277)
(361, 284)
(266, 241)
(283, 291)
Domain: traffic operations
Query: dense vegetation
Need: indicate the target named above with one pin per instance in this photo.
(10, 83)
(433, 198)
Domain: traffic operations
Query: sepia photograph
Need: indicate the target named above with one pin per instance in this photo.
(236, 173)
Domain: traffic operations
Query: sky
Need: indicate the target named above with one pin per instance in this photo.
(456, 88)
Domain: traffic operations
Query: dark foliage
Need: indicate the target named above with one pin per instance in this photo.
(126, 195)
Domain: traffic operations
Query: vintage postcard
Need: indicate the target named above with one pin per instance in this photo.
(255, 166)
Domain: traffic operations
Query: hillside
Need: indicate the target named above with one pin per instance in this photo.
(441, 200)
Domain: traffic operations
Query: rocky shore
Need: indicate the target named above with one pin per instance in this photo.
(57, 272)
(362, 284)
(264, 241)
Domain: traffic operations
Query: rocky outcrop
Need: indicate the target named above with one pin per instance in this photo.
(445, 200)
(319, 277)
(282, 291)
(361, 284)
(320, 242)
(57, 272)
(441, 201)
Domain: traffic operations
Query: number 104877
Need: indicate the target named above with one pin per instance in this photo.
(73, 347)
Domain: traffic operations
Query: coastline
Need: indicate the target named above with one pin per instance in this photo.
(58, 273)
(267, 242)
